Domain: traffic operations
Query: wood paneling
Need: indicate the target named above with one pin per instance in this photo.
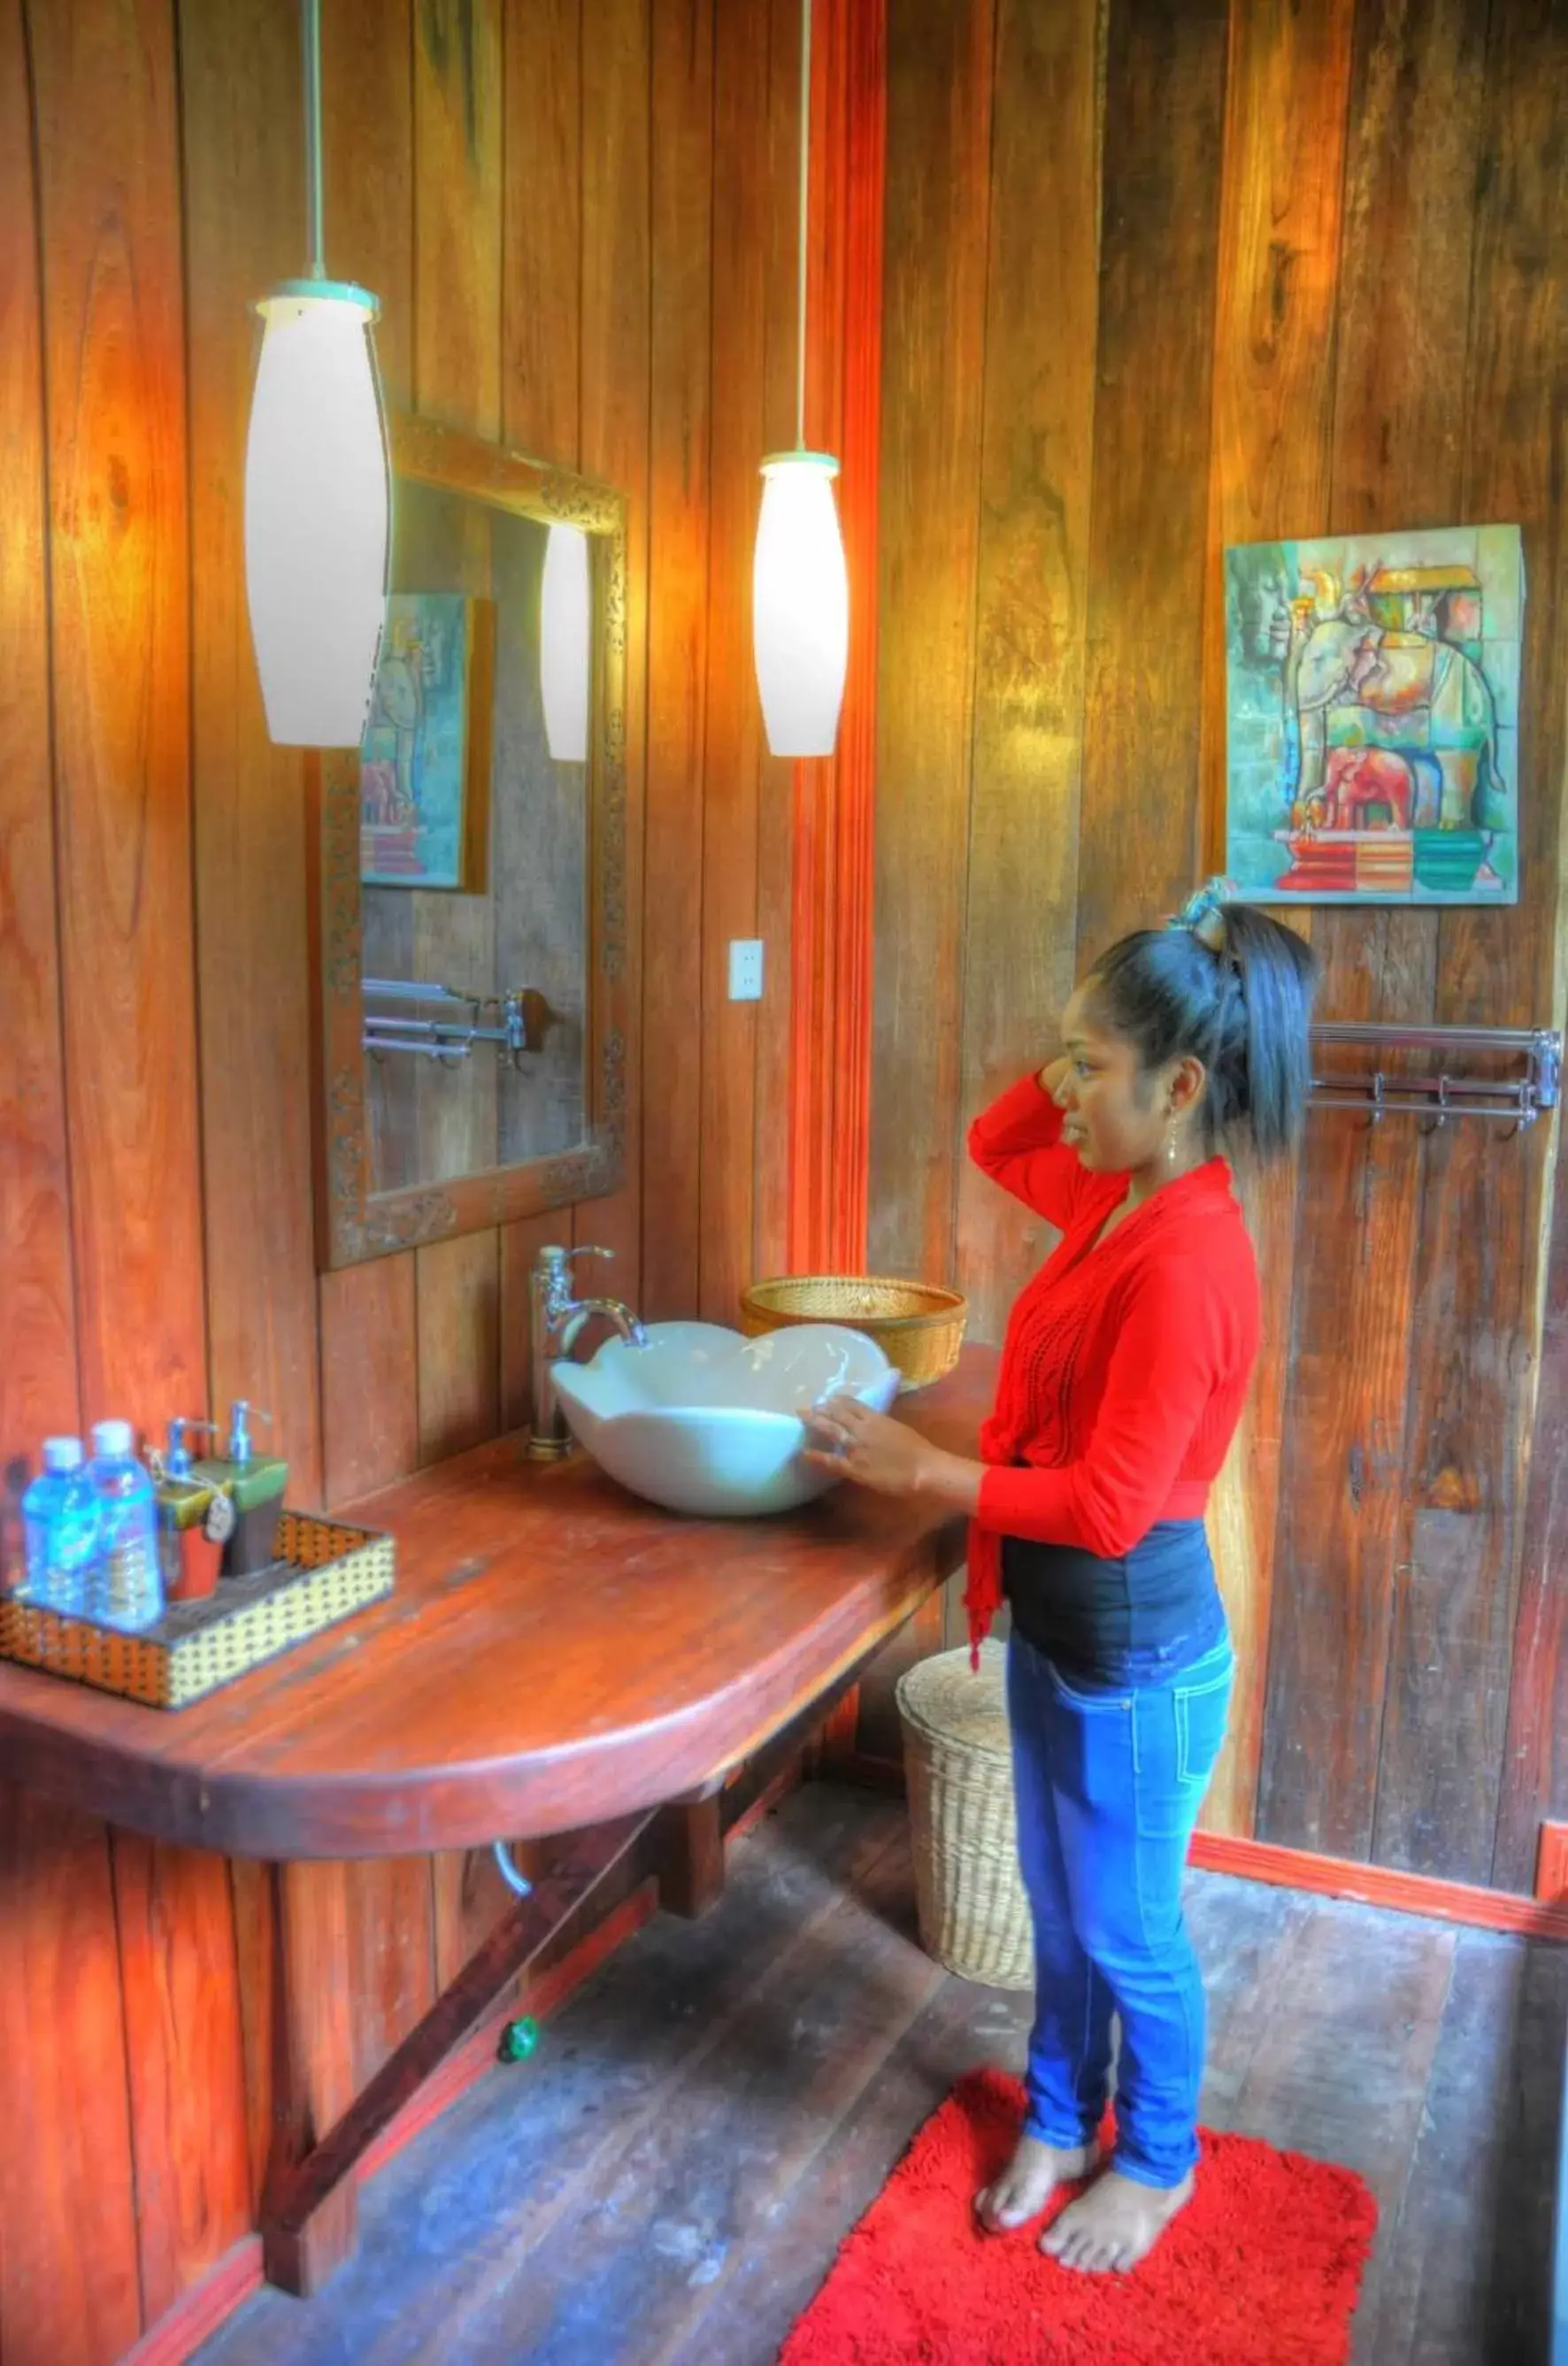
(1535, 1777)
(939, 74)
(1032, 592)
(369, 1377)
(458, 1315)
(315, 2063)
(1328, 297)
(541, 286)
(1274, 394)
(65, 2168)
(818, 1069)
(38, 1374)
(617, 396)
(105, 93)
(734, 731)
(679, 428)
(239, 87)
(1477, 1304)
(185, 2055)
(108, 136)
(1164, 121)
(767, 1250)
(1402, 325)
(70, 2282)
(491, 175)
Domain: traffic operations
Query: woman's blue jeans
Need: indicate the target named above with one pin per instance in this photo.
(1108, 1785)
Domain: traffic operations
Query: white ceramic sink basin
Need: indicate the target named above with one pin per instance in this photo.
(704, 1421)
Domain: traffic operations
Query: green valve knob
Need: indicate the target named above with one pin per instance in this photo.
(519, 2039)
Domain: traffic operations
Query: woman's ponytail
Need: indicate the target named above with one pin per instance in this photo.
(1224, 983)
(1266, 1074)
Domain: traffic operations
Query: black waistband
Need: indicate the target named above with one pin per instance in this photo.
(1090, 1615)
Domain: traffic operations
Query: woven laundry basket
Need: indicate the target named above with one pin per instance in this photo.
(958, 1761)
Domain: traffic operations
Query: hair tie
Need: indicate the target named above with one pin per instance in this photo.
(1203, 917)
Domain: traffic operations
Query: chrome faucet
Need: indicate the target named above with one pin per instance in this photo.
(556, 1319)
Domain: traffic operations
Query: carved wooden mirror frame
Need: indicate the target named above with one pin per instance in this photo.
(352, 1224)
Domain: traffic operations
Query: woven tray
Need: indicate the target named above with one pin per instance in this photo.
(974, 1916)
(324, 1571)
(918, 1326)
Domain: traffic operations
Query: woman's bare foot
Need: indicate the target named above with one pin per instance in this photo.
(1028, 2182)
(1114, 2225)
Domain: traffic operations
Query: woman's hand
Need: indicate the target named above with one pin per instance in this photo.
(855, 1442)
(1050, 1077)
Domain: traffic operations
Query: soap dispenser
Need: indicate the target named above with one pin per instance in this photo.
(190, 1535)
(253, 1483)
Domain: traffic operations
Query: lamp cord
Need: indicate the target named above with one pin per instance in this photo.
(311, 13)
(805, 209)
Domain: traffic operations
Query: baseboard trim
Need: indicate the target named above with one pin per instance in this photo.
(1331, 1877)
(1379, 1884)
(199, 2313)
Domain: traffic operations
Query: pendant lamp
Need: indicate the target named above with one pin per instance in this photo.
(564, 637)
(800, 587)
(317, 500)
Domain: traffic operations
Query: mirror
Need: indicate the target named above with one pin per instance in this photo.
(471, 879)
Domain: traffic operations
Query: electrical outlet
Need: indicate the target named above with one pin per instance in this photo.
(746, 969)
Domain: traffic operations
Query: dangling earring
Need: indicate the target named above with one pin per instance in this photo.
(1169, 1141)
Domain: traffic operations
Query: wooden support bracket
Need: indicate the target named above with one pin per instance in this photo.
(690, 1848)
(308, 2211)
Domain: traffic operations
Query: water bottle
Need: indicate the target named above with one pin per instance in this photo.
(73, 1541)
(60, 1511)
(130, 1589)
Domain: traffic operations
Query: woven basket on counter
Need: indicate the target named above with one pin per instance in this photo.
(325, 1571)
(918, 1326)
(974, 1916)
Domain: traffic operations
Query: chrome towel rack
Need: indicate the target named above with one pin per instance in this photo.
(514, 1022)
(1519, 1098)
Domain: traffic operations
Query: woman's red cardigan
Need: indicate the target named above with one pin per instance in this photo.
(1126, 1363)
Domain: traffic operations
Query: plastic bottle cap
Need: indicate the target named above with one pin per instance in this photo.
(113, 1437)
(62, 1454)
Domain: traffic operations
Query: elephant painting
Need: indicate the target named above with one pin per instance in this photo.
(1360, 690)
(1373, 690)
(1365, 788)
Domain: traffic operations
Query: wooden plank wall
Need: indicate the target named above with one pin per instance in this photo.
(1322, 290)
(548, 272)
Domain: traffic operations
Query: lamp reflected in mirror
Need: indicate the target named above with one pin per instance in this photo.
(566, 644)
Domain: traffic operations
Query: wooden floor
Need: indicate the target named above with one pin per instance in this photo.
(670, 2176)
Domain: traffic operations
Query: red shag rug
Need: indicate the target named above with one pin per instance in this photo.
(1261, 2268)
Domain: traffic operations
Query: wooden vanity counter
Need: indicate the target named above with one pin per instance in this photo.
(555, 1653)
(559, 1661)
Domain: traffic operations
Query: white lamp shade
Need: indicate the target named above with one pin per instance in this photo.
(565, 641)
(800, 604)
(316, 516)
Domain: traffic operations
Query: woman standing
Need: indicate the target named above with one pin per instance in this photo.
(1126, 1364)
